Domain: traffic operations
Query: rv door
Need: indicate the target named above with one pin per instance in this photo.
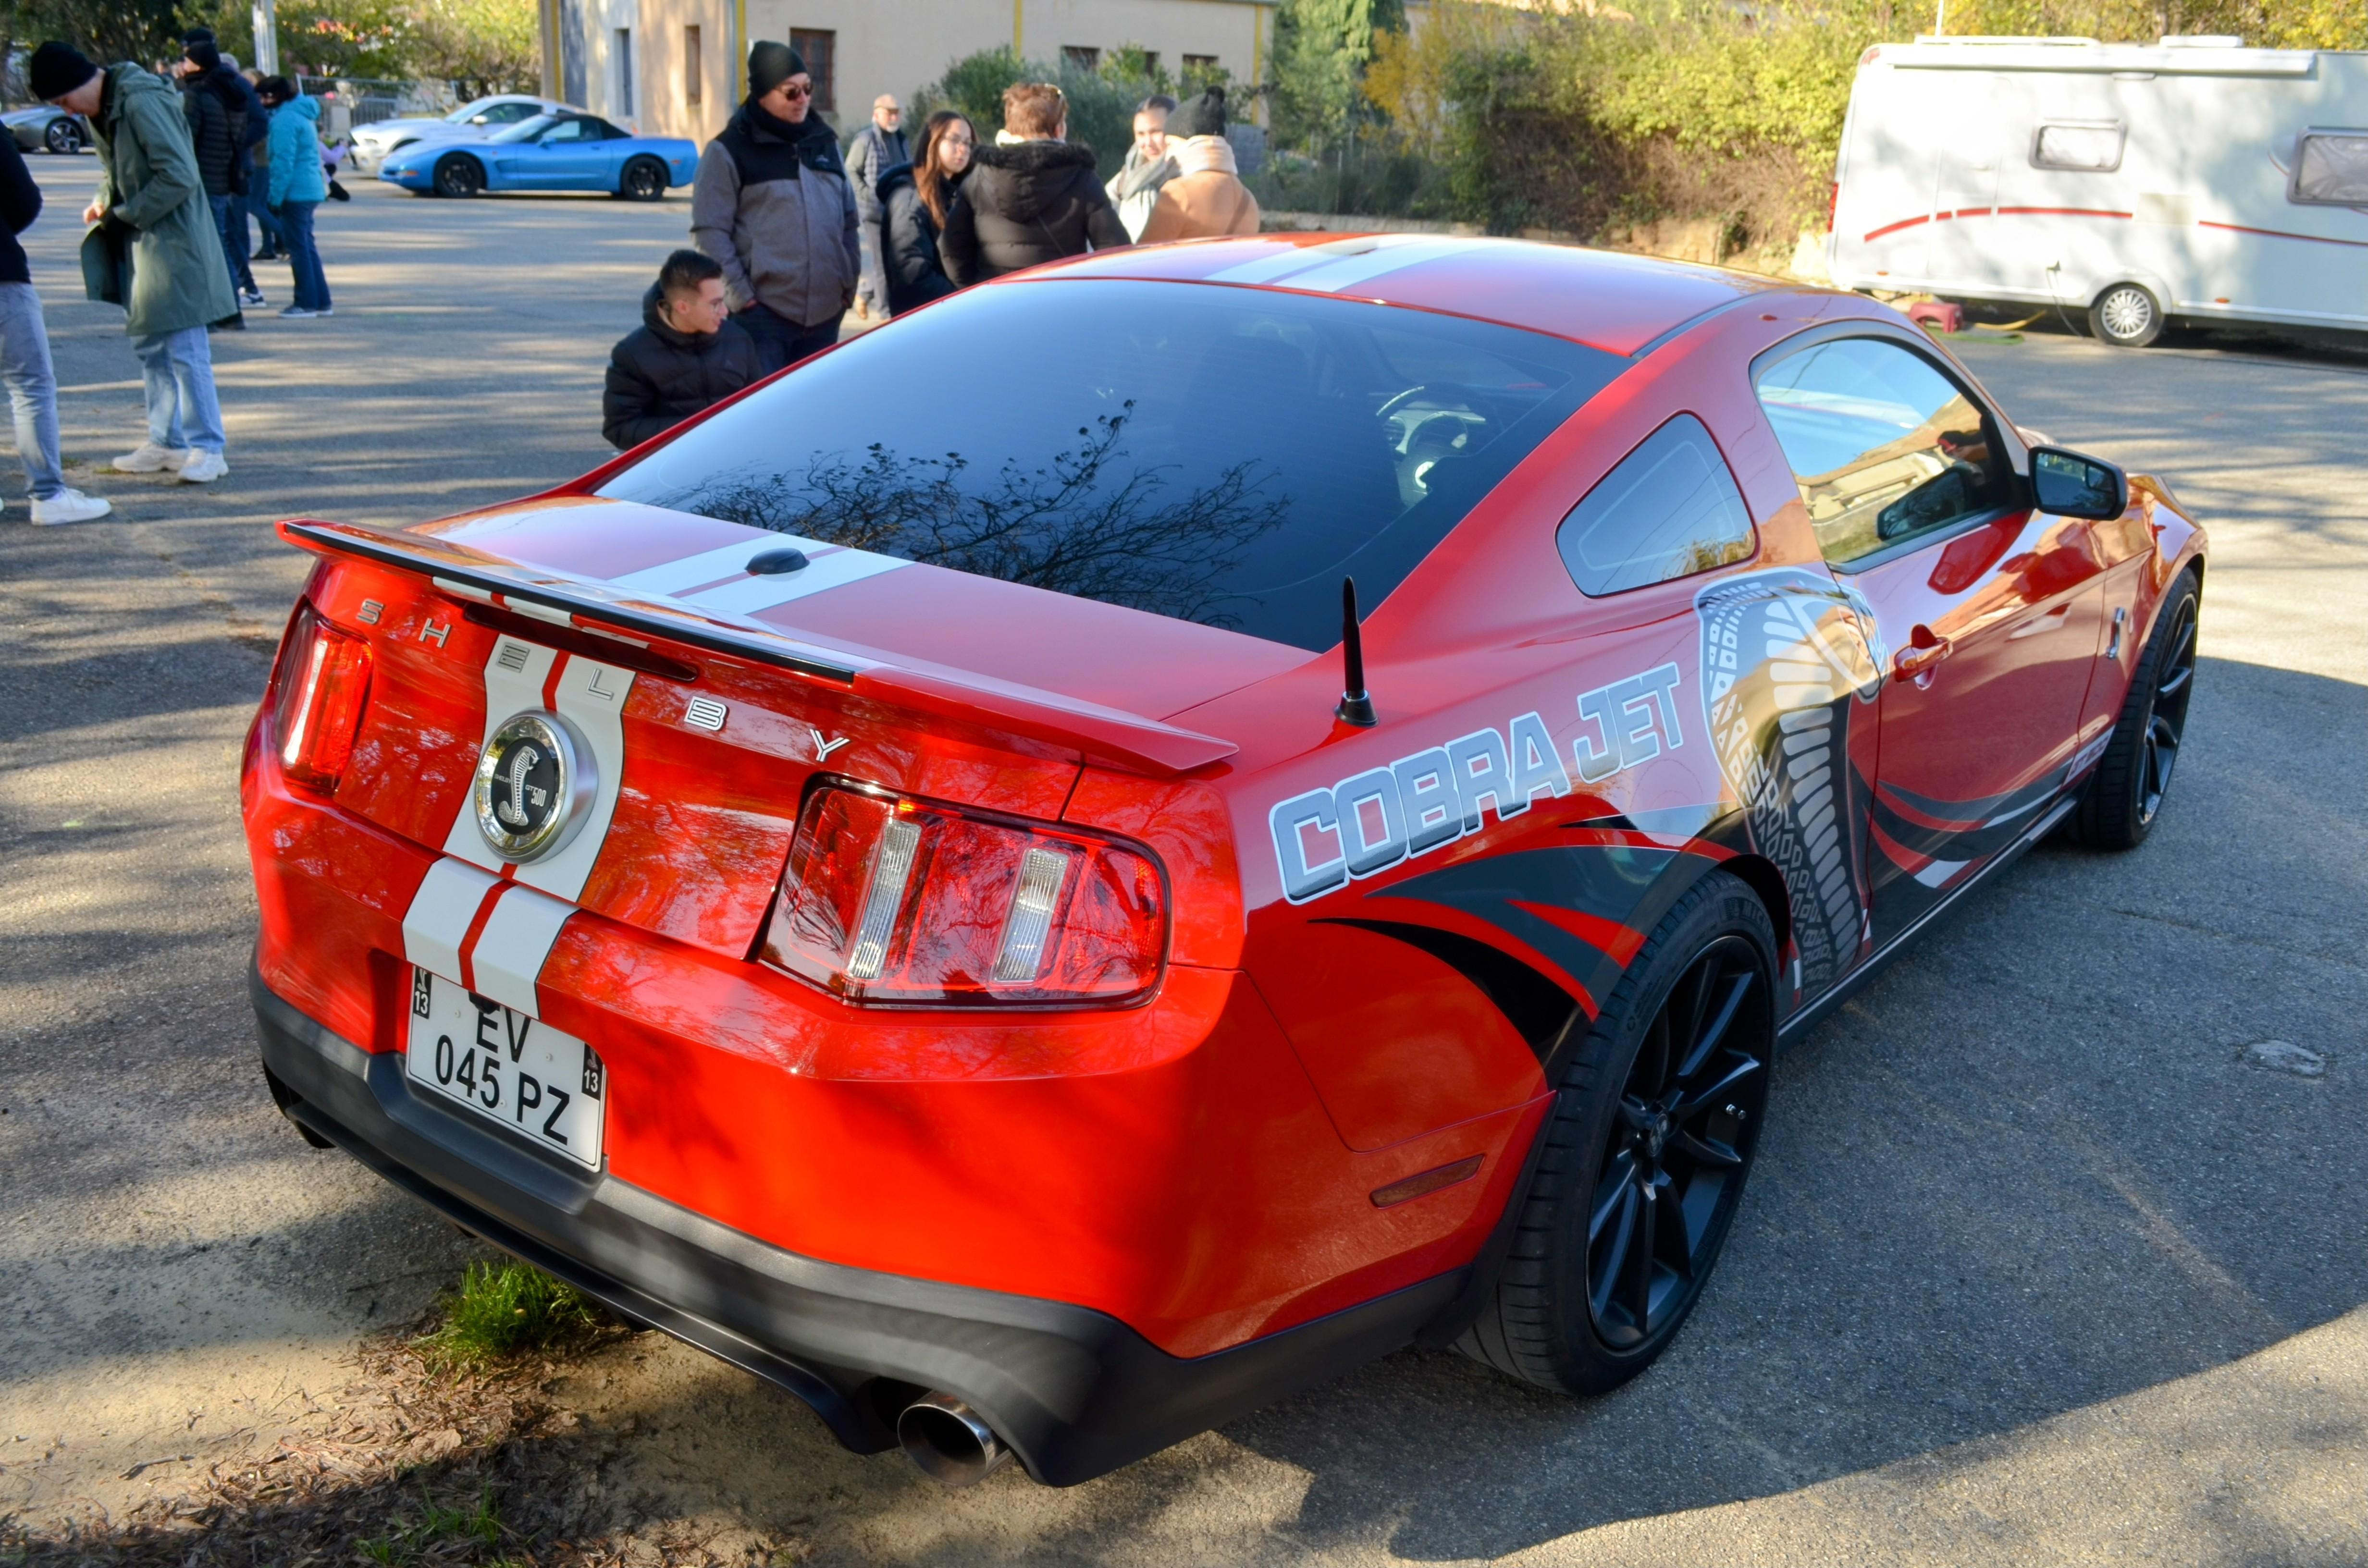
(1976, 114)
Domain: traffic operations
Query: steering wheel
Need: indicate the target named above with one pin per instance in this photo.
(1391, 407)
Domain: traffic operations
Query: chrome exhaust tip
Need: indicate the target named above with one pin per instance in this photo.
(950, 1442)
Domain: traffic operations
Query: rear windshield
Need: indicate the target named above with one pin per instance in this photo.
(1216, 454)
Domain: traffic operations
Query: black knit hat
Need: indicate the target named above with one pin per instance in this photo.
(770, 64)
(57, 69)
(1203, 116)
(204, 54)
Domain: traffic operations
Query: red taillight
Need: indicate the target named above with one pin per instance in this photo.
(888, 899)
(1833, 206)
(323, 681)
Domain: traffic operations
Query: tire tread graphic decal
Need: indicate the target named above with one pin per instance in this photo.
(1783, 654)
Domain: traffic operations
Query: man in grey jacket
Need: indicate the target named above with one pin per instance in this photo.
(772, 205)
(877, 148)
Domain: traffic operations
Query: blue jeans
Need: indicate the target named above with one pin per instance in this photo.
(178, 367)
(32, 388)
(259, 210)
(304, 256)
(231, 224)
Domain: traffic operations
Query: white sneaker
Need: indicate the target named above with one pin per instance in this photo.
(204, 468)
(151, 459)
(68, 506)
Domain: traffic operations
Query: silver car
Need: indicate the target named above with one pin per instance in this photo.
(45, 129)
(473, 121)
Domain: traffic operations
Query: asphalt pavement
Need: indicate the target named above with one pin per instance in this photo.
(2054, 1252)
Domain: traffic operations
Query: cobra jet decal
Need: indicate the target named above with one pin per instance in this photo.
(1366, 823)
(1783, 654)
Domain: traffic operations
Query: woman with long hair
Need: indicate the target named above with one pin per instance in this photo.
(913, 201)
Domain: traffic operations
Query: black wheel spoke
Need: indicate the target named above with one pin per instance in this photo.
(1717, 1089)
(1706, 1151)
(1676, 1246)
(1637, 1294)
(1612, 1193)
(1611, 1261)
(1706, 1039)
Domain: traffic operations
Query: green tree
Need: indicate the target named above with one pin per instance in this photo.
(1321, 49)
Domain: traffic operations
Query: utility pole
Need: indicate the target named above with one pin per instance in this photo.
(267, 39)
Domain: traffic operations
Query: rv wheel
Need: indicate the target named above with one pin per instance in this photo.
(2126, 315)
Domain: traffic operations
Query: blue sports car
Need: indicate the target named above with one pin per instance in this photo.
(550, 151)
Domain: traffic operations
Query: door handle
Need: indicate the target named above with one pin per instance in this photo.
(1924, 649)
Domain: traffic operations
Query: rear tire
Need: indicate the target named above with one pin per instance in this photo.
(62, 137)
(2125, 794)
(1646, 1149)
(644, 180)
(2126, 315)
(457, 175)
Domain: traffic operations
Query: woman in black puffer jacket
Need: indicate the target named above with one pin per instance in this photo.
(913, 201)
(688, 354)
(1033, 198)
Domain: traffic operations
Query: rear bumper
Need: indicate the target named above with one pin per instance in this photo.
(1075, 1392)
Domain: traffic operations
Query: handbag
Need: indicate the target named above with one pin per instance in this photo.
(107, 262)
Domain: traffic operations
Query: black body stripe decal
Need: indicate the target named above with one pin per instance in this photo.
(1540, 1011)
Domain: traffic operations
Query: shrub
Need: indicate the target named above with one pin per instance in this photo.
(502, 1309)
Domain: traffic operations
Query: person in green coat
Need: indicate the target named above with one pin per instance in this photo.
(179, 283)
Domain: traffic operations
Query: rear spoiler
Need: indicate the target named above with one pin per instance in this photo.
(1084, 731)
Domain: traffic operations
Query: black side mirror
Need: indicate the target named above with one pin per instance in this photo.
(2070, 485)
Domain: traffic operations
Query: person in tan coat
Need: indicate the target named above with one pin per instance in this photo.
(1207, 196)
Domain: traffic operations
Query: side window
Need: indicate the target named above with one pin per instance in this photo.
(1884, 446)
(570, 130)
(2330, 169)
(1670, 509)
(2083, 147)
(506, 114)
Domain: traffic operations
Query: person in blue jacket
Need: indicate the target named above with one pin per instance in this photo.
(297, 188)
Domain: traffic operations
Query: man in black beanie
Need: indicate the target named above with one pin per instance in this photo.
(772, 205)
(179, 285)
(225, 133)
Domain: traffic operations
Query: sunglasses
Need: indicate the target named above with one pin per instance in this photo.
(791, 90)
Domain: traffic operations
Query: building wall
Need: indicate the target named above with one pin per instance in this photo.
(882, 46)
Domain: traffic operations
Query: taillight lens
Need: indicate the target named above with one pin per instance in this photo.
(889, 899)
(323, 681)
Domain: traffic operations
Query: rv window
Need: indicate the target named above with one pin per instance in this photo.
(1886, 449)
(2085, 146)
(2331, 167)
(1670, 509)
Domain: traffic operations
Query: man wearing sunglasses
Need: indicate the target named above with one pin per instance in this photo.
(772, 205)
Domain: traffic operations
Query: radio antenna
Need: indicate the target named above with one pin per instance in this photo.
(1355, 708)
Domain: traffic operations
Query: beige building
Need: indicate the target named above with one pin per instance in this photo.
(675, 67)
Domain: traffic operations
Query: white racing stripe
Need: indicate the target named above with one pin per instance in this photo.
(1364, 268)
(438, 917)
(1939, 872)
(591, 697)
(515, 672)
(707, 566)
(834, 569)
(517, 939)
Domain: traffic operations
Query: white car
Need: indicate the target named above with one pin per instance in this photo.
(473, 121)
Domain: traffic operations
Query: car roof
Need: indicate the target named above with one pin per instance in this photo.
(1603, 299)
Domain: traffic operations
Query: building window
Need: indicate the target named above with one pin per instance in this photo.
(694, 78)
(1199, 67)
(1078, 55)
(625, 71)
(816, 46)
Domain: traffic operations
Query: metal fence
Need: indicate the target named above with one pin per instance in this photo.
(348, 101)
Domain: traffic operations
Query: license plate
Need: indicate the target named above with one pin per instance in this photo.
(543, 1086)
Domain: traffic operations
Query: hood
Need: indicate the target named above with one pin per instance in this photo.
(893, 177)
(1033, 171)
(1204, 154)
(303, 107)
(125, 81)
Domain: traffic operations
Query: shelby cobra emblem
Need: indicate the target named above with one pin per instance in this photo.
(534, 784)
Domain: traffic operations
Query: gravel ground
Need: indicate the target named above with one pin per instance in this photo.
(2049, 1257)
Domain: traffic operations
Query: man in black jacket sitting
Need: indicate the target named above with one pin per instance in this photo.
(688, 353)
(1031, 198)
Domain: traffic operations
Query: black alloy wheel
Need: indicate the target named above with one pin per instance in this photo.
(1688, 1119)
(62, 136)
(457, 175)
(1645, 1154)
(2124, 796)
(644, 181)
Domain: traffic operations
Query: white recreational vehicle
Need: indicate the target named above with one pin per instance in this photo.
(2129, 183)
